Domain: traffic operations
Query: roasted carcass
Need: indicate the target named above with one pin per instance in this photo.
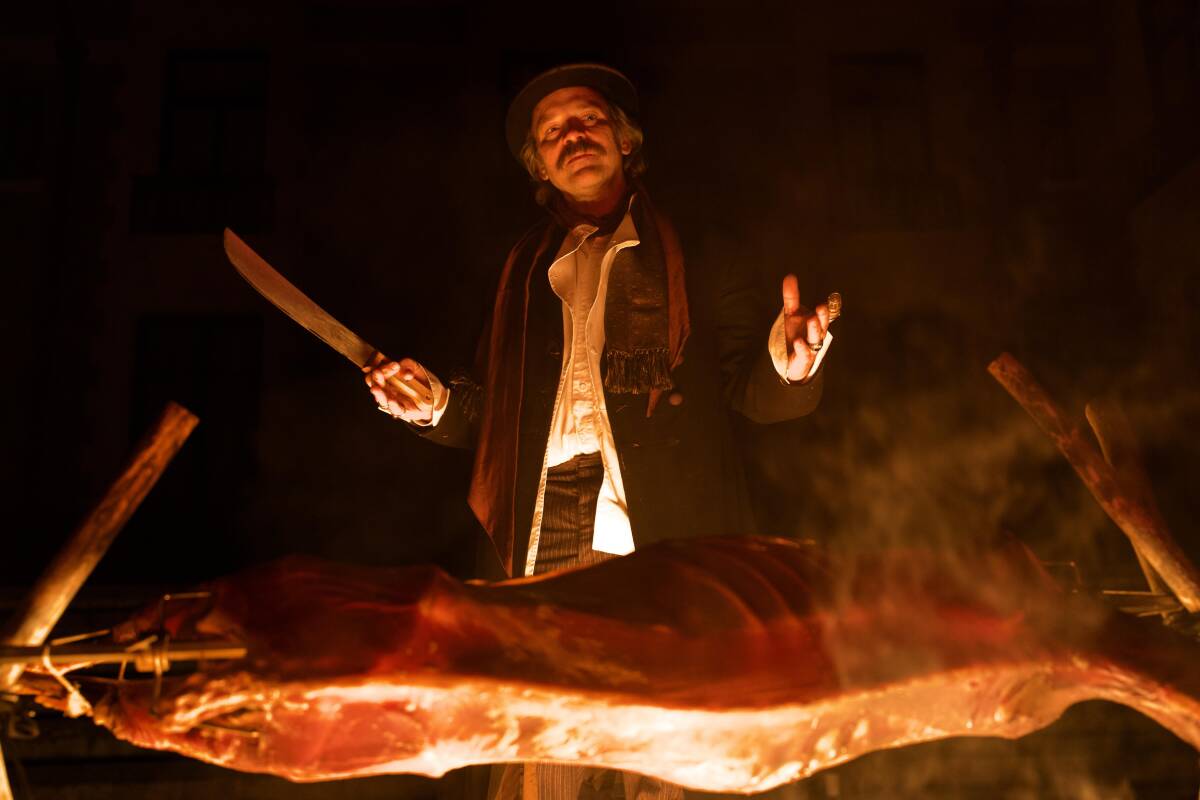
(720, 664)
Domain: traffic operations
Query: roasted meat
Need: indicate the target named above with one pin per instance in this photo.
(720, 664)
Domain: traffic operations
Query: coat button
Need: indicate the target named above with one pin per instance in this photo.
(675, 398)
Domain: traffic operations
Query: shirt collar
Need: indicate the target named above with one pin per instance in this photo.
(625, 230)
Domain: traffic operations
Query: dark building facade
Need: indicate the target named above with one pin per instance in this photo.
(971, 176)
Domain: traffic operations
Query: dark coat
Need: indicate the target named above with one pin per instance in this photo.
(680, 467)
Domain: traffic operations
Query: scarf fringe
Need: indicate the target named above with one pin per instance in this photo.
(639, 372)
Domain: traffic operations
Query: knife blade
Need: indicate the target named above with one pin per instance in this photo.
(316, 320)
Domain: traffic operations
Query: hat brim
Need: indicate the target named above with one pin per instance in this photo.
(605, 80)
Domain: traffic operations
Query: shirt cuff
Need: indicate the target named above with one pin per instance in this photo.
(441, 398)
(777, 346)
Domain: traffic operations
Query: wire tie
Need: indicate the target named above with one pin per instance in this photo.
(77, 704)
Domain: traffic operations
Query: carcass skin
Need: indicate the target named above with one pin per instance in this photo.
(727, 665)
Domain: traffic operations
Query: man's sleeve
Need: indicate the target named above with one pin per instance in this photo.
(766, 397)
(458, 425)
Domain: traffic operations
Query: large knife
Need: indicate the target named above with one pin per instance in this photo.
(293, 302)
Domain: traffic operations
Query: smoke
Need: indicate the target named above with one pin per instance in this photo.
(954, 465)
(941, 470)
(916, 449)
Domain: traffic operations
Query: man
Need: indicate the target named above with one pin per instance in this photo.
(599, 404)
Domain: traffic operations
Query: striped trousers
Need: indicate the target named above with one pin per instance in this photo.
(568, 516)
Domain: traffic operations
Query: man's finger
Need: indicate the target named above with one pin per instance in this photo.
(414, 372)
(816, 331)
(400, 404)
(791, 294)
(411, 411)
(395, 405)
(801, 361)
(822, 312)
(381, 375)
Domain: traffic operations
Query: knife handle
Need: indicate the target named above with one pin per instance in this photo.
(411, 388)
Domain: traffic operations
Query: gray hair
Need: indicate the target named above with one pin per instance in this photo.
(626, 130)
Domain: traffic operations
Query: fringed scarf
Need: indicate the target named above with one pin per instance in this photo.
(646, 326)
(637, 325)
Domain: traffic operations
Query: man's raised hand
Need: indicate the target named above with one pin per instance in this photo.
(803, 329)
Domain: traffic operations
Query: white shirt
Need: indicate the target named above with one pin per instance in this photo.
(579, 423)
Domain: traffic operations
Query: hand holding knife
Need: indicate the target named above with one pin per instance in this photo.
(411, 382)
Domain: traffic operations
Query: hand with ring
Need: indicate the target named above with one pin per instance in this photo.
(805, 329)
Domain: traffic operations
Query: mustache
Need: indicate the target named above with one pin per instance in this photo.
(577, 147)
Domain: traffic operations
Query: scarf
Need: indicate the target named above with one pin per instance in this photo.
(637, 352)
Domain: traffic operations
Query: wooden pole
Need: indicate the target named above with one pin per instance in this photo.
(5, 786)
(1140, 522)
(57, 586)
(1119, 445)
(143, 660)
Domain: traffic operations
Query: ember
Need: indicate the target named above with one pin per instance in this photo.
(725, 665)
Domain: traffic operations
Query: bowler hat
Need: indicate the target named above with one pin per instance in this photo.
(605, 80)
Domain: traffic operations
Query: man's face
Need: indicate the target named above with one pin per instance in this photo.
(578, 144)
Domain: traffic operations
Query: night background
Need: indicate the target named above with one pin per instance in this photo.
(972, 177)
